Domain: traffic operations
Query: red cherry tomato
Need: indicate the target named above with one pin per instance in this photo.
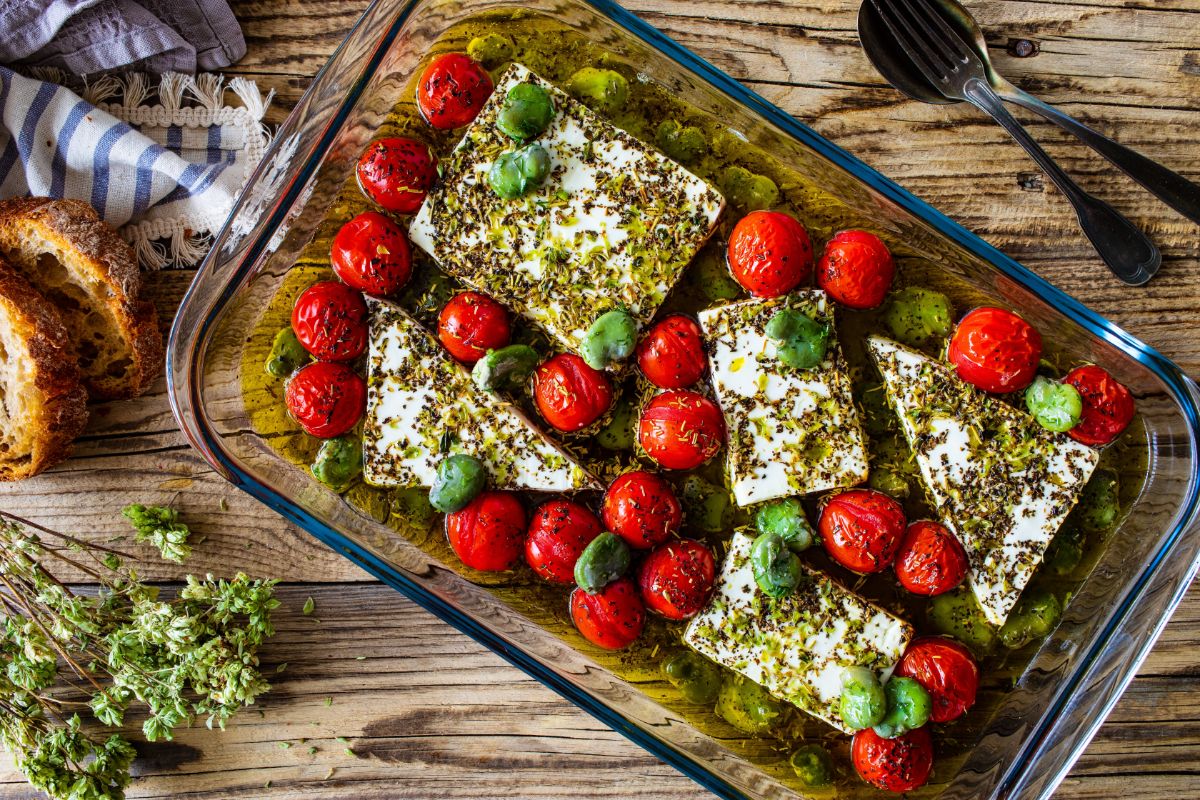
(948, 672)
(770, 253)
(671, 354)
(861, 529)
(895, 765)
(451, 91)
(397, 173)
(995, 350)
(641, 508)
(930, 560)
(330, 320)
(558, 533)
(488, 533)
(471, 324)
(677, 578)
(856, 269)
(325, 398)
(1107, 406)
(570, 395)
(370, 253)
(612, 618)
(681, 429)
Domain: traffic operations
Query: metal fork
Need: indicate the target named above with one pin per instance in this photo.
(950, 64)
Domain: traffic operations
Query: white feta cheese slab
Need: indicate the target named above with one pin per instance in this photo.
(1001, 482)
(614, 224)
(797, 647)
(417, 393)
(790, 431)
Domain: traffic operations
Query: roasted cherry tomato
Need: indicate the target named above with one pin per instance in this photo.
(861, 529)
(487, 535)
(856, 269)
(558, 533)
(370, 253)
(451, 91)
(330, 320)
(671, 354)
(570, 395)
(948, 672)
(612, 618)
(1107, 406)
(641, 508)
(930, 559)
(325, 398)
(471, 324)
(896, 765)
(397, 173)
(677, 578)
(770, 253)
(995, 350)
(681, 429)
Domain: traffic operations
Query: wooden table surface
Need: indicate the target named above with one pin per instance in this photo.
(381, 700)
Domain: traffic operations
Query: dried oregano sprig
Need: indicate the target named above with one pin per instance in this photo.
(191, 657)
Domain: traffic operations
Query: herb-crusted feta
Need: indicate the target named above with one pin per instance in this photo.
(423, 405)
(1001, 482)
(797, 646)
(613, 225)
(791, 431)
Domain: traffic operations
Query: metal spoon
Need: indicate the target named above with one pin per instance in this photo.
(895, 66)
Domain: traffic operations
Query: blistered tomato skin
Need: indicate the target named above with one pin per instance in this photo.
(397, 173)
(948, 672)
(371, 253)
(930, 560)
(452, 90)
(330, 321)
(895, 765)
(612, 618)
(489, 532)
(326, 399)
(861, 529)
(770, 253)
(671, 354)
(569, 394)
(677, 578)
(681, 429)
(1108, 406)
(471, 324)
(995, 350)
(642, 509)
(558, 532)
(856, 269)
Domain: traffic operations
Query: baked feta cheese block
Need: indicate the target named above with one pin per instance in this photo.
(797, 647)
(613, 226)
(1001, 481)
(419, 397)
(791, 431)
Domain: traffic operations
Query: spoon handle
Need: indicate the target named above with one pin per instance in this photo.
(1124, 248)
(1170, 187)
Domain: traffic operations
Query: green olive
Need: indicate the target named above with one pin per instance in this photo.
(785, 518)
(813, 765)
(892, 470)
(908, 707)
(287, 354)
(617, 433)
(1056, 406)
(684, 143)
(526, 111)
(601, 89)
(491, 49)
(890, 483)
(711, 276)
(1065, 553)
(707, 504)
(801, 341)
(917, 316)
(776, 568)
(518, 172)
(747, 190)
(957, 614)
(693, 675)
(505, 369)
(338, 461)
(611, 338)
(1035, 615)
(459, 479)
(605, 559)
(411, 507)
(1099, 502)
(747, 706)
(863, 702)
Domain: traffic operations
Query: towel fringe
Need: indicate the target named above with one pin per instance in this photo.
(150, 254)
(134, 90)
(252, 99)
(207, 88)
(105, 87)
(170, 90)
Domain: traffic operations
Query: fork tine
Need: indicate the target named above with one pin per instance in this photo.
(924, 8)
(924, 34)
(911, 42)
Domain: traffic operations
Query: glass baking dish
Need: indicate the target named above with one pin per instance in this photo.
(1030, 736)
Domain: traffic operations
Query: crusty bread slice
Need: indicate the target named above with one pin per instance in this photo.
(43, 405)
(72, 257)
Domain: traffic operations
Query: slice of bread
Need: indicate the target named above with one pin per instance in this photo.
(43, 405)
(72, 257)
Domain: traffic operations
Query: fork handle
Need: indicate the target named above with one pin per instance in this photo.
(1123, 247)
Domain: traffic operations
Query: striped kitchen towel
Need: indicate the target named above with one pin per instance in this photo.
(161, 163)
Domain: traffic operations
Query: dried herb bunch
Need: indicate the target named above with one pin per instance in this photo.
(65, 654)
